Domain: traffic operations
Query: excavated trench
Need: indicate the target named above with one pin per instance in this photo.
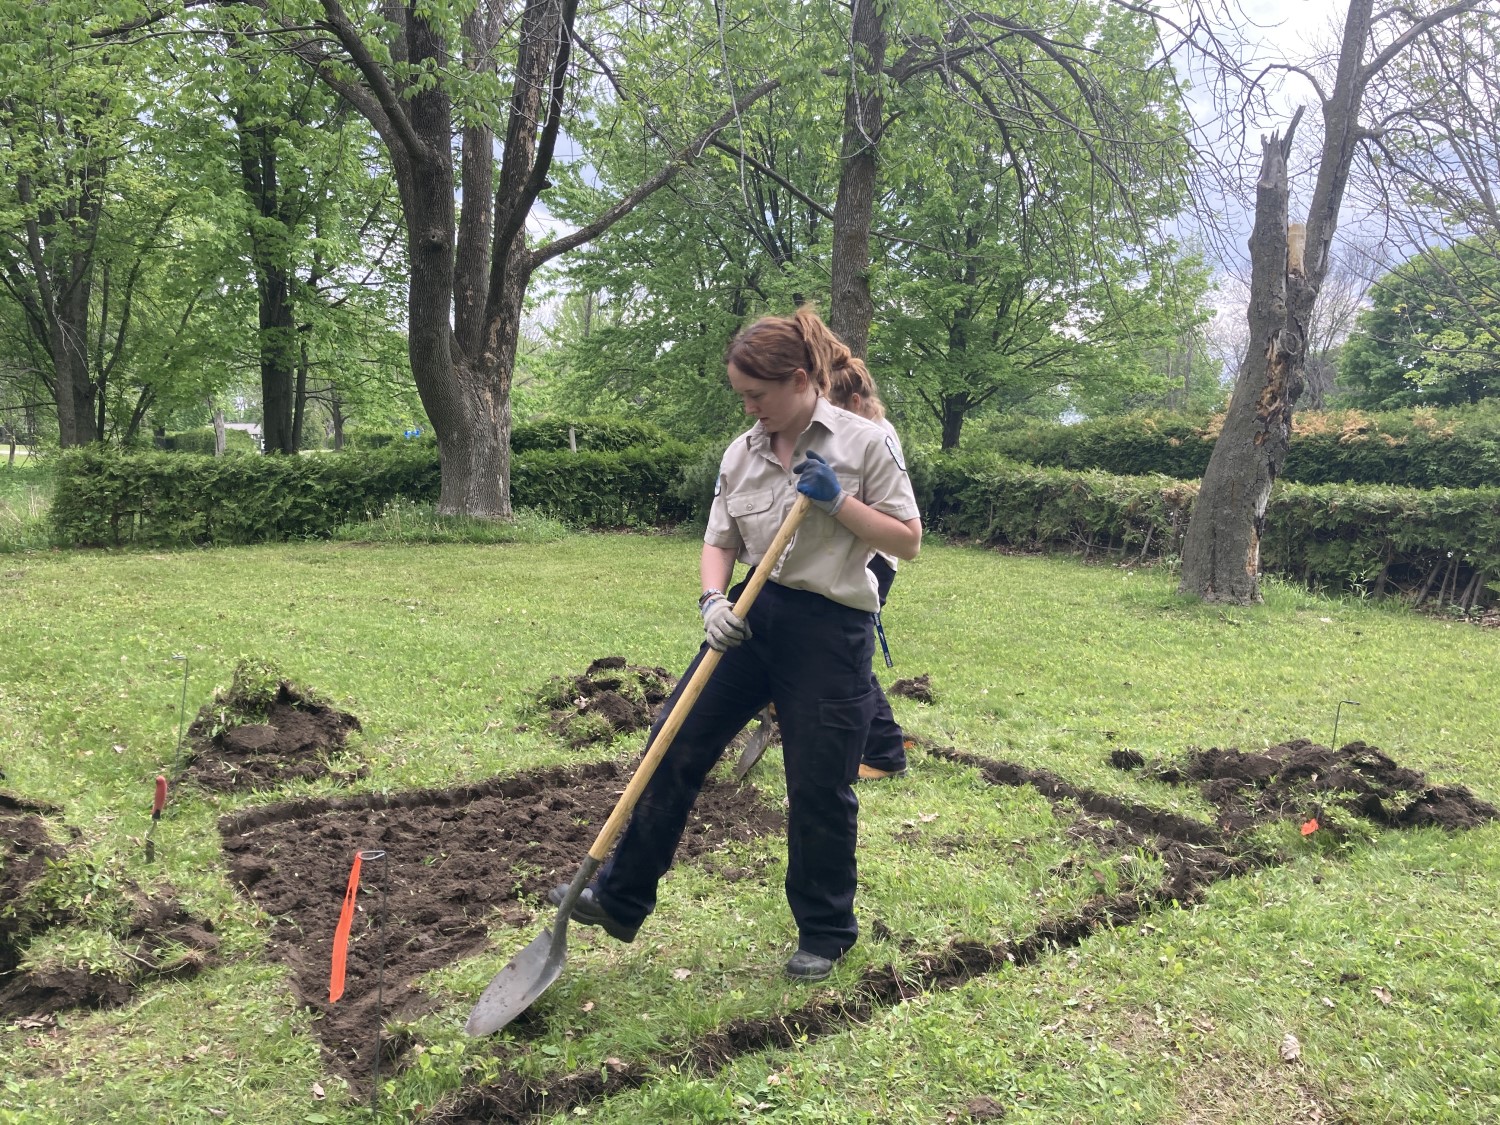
(1195, 855)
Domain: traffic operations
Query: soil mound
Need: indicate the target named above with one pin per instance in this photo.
(1299, 779)
(263, 732)
(161, 940)
(918, 688)
(455, 859)
(42, 887)
(611, 697)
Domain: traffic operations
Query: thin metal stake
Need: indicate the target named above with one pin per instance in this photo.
(181, 713)
(1333, 743)
(385, 884)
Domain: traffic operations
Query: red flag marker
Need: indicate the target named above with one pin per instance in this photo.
(1309, 827)
(341, 934)
(156, 806)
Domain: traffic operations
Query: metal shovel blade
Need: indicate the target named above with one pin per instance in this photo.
(529, 974)
(531, 971)
(755, 746)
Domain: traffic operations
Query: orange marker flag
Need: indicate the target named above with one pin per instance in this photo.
(1310, 826)
(341, 934)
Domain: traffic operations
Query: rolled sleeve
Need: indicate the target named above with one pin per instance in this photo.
(886, 486)
(722, 530)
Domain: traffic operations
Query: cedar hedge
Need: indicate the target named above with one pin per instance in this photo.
(1438, 543)
(1424, 448)
(105, 498)
(1441, 544)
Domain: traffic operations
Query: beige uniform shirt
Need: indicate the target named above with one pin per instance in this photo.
(754, 494)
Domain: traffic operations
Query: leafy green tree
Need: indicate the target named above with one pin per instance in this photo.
(1427, 337)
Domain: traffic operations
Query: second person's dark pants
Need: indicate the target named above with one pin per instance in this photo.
(811, 657)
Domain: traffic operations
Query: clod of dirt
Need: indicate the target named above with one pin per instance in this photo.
(918, 688)
(1298, 778)
(1126, 759)
(983, 1109)
(265, 731)
(39, 887)
(455, 859)
(611, 697)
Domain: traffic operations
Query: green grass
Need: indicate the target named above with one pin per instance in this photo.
(439, 650)
(25, 493)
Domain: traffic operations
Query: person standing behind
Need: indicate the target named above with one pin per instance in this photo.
(851, 388)
(806, 644)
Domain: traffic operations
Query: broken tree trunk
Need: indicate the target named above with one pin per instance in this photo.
(1221, 555)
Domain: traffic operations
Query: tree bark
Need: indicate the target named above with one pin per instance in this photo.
(1221, 554)
(850, 307)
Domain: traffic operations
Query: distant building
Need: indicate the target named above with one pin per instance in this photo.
(251, 428)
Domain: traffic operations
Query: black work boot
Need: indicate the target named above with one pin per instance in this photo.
(588, 912)
(808, 966)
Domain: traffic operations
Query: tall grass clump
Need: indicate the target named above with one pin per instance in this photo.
(406, 521)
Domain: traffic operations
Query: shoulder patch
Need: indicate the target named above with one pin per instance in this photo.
(890, 443)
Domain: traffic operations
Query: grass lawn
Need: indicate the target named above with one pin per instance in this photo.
(1379, 954)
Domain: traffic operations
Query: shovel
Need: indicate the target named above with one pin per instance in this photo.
(755, 745)
(532, 971)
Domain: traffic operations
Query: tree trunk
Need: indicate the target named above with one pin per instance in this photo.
(1221, 554)
(221, 444)
(336, 419)
(268, 241)
(299, 401)
(954, 408)
(850, 307)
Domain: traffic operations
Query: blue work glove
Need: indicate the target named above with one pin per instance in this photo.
(721, 627)
(819, 483)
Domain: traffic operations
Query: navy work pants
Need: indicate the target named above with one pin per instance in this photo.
(811, 657)
(885, 749)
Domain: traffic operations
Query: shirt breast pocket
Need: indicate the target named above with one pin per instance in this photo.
(757, 515)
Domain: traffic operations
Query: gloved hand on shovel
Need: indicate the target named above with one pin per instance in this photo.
(722, 628)
(819, 483)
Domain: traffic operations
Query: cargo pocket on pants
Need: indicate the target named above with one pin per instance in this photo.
(844, 725)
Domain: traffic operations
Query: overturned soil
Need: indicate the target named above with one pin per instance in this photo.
(918, 688)
(158, 938)
(456, 861)
(241, 743)
(1195, 856)
(610, 698)
(1300, 780)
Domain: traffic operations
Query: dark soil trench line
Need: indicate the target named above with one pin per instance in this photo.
(1196, 855)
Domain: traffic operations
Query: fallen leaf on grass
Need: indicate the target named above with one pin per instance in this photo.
(682, 974)
(1328, 1002)
(317, 1091)
(588, 1006)
(1291, 1050)
(928, 817)
(1381, 994)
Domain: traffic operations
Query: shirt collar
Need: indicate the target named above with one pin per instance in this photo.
(824, 414)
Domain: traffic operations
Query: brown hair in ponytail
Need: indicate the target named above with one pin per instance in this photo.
(775, 347)
(854, 379)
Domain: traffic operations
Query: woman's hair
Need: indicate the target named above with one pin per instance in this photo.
(774, 347)
(853, 379)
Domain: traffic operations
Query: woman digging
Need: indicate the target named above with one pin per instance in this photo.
(806, 644)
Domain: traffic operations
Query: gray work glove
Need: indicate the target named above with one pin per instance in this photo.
(722, 628)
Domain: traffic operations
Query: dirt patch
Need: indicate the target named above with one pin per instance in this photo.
(610, 698)
(45, 885)
(265, 731)
(1301, 780)
(918, 688)
(162, 941)
(456, 859)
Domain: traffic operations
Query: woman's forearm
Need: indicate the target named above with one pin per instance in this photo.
(716, 567)
(902, 538)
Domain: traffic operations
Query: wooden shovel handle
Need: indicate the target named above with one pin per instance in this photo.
(663, 740)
